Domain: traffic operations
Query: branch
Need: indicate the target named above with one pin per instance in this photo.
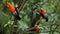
(22, 4)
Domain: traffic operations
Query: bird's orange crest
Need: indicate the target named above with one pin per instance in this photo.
(12, 8)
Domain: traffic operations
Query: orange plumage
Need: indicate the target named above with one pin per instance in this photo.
(43, 11)
(12, 8)
(36, 28)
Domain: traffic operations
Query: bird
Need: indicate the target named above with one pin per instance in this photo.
(44, 15)
(36, 28)
(13, 10)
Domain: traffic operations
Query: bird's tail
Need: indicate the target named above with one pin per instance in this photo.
(18, 18)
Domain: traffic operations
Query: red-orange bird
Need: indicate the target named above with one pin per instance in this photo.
(13, 10)
(44, 14)
(36, 28)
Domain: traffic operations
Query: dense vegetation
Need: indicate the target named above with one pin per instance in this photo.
(27, 12)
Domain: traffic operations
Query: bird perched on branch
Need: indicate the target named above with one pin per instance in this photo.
(13, 10)
(44, 14)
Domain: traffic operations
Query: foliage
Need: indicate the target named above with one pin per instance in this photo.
(51, 6)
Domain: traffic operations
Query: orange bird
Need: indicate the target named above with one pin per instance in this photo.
(13, 10)
(44, 14)
(36, 28)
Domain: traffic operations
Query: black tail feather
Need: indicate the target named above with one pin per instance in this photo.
(46, 19)
(16, 15)
(18, 18)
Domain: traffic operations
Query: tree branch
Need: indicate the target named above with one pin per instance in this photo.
(22, 4)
